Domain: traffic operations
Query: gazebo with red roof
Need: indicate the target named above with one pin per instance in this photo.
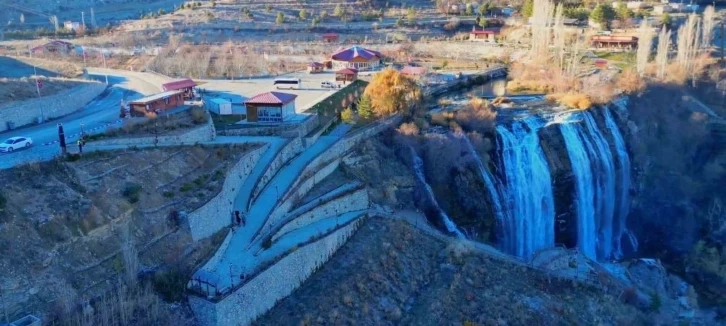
(270, 107)
(315, 67)
(346, 75)
(356, 57)
(187, 85)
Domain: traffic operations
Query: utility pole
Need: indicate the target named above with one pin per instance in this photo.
(723, 42)
(93, 19)
(83, 20)
(37, 88)
(103, 55)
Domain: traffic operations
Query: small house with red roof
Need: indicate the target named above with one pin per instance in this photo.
(270, 107)
(356, 57)
(483, 35)
(53, 47)
(330, 37)
(185, 85)
(315, 67)
(151, 106)
(346, 75)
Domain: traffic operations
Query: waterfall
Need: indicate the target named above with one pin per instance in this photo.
(488, 180)
(593, 167)
(526, 187)
(624, 194)
(419, 169)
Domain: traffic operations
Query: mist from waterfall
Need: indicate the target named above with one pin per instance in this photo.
(623, 199)
(594, 171)
(418, 167)
(526, 188)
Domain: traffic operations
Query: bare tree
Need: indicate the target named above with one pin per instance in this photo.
(709, 17)
(559, 35)
(661, 56)
(541, 28)
(54, 22)
(688, 42)
(645, 44)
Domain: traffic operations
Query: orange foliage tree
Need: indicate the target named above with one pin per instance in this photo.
(391, 92)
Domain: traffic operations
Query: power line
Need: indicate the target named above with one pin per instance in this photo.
(22, 8)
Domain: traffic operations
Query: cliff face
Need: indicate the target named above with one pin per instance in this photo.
(679, 160)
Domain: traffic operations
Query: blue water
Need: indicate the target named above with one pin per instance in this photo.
(526, 188)
(594, 170)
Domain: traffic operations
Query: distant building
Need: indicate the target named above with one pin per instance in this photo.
(659, 10)
(330, 37)
(151, 106)
(270, 107)
(619, 42)
(53, 47)
(71, 26)
(633, 5)
(483, 35)
(185, 85)
(346, 75)
(356, 57)
(315, 67)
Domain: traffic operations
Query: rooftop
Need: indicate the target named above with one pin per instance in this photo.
(410, 70)
(348, 54)
(272, 98)
(178, 84)
(155, 97)
(347, 71)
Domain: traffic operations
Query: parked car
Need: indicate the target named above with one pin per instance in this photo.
(15, 143)
(328, 84)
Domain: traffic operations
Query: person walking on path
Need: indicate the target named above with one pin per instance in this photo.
(80, 146)
(237, 218)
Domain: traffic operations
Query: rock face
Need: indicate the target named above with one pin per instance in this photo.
(679, 156)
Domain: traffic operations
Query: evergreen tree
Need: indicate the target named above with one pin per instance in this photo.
(365, 108)
(347, 115)
(280, 18)
(303, 14)
(411, 15)
(338, 11)
(603, 14)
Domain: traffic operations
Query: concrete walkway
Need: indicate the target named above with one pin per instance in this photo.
(240, 257)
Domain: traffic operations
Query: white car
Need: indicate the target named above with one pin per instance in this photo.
(327, 84)
(14, 143)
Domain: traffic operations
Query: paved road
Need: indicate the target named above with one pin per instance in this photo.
(96, 117)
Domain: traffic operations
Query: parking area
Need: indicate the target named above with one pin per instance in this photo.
(309, 93)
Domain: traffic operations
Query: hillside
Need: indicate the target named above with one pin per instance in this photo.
(392, 273)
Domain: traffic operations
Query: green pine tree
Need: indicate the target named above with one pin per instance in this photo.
(411, 15)
(303, 14)
(365, 108)
(347, 115)
(280, 18)
(603, 14)
(338, 11)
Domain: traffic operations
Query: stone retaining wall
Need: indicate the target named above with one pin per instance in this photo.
(216, 213)
(287, 130)
(354, 201)
(260, 294)
(292, 197)
(294, 147)
(23, 113)
(199, 134)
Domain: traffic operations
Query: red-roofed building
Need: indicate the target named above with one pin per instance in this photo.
(56, 46)
(315, 67)
(620, 42)
(151, 106)
(270, 107)
(346, 74)
(186, 85)
(356, 57)
(483, 35)
(330, 37)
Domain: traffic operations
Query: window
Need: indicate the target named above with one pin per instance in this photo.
(19, 140)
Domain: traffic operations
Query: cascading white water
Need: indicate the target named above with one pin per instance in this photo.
(488, 180)
(606, 186)
(593, 167)
(526, 187)
(621, 230)
(419, 170)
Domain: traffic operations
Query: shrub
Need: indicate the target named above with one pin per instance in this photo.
(132, 192)
(347, 115)
(198, 115)
(170, 285)
(168, 194)
(572, 100)
(408, 129)
(186, 187)
(3, 203)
